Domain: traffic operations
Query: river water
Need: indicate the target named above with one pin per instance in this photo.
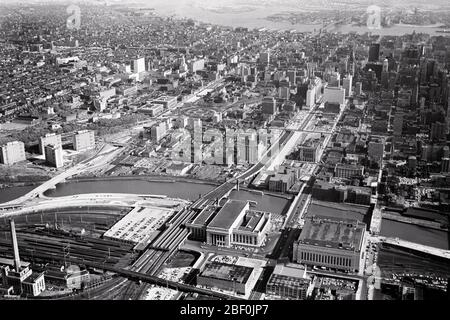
(8, 194)
(414, 233)
(253, 16)
(183, 190)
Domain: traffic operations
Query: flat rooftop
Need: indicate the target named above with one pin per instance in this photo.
(290, 270)
(335, 233)
(228, 214)
(139, 224)
(229, 272)
(287, 281)
(165, 98)
(205, 216)
(251, 220)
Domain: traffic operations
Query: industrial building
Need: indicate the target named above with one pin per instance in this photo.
(50, 138)
(228, 277)
(348, 171)
(20, 280)
(12, 152)
(330, 242)
(84, 140)
(71, 278)
(233, 224)
(289, 281)
(326, 191)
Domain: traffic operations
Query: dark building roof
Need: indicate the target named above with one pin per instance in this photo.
(228, 214)
(334, 233)
(229, 272)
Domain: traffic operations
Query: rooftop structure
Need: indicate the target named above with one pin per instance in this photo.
(139, 226)
(226, 217)
(334, 233)
(233, 224)
(330, 242)
(229, 277)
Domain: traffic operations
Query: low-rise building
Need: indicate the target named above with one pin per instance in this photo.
(233, 224)
(289, 282)
(228, 277)
(330, 242)
(309, 151)
(153, 110)
(167, 102)
(342, 170)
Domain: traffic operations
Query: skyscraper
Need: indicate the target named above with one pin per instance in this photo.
(374, 52)
(264, 57)
(139, 65)
(348, 84)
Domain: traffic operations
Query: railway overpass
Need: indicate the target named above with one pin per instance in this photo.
(415, 246)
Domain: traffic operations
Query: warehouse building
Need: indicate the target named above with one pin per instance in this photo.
(330, 242)
(289, 282)
(228, 277)
(348, 171)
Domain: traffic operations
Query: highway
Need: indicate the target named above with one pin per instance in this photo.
(100, 159)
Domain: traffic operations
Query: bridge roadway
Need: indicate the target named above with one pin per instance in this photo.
(97, 199)
(414, 246)
(101, 158)
(134, 275)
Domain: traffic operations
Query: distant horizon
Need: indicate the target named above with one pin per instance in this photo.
(293, 3)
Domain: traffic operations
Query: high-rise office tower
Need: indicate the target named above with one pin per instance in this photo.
(139, 65)
(351, 63)
(385, 65)
(347, 83)
(264, 57)
(374, 52)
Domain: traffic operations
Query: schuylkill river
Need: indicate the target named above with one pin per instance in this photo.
(182, 190)
(191, 191)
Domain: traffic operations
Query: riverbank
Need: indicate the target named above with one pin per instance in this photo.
(414, 233)
(149, 178)
(413, 221)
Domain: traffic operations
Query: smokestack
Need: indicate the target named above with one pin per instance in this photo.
(15, 246)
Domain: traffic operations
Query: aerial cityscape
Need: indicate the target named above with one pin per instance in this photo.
(224, 150)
